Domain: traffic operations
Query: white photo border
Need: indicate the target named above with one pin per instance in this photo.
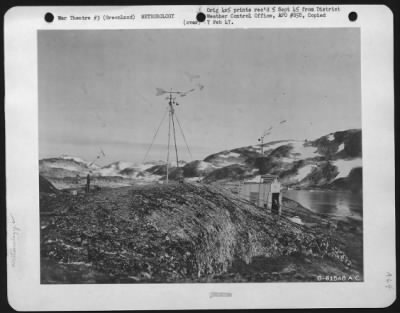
(21, 116)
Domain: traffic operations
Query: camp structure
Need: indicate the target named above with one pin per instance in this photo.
(258, 190)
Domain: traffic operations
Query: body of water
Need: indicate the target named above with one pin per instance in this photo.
(343, 203)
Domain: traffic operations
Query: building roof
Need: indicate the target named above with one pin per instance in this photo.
(268, 178)
(265, 179)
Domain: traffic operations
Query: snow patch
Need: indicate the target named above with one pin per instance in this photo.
(304, 171)
(113, 169)
(78, 160)
(144, 166)
(230, 155)
(121, 165)
(108, 172)
(72, 158)
(139, 168)
(303, 152)
(204, 165)
(330, 137)
(66, 165)
(150, 178)
(345, 166)
(286, 160)
(273, 146)
(341, 147)
(226, 163)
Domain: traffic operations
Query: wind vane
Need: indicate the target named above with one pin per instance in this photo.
(99, 155)
(266, 133)
(172, 117)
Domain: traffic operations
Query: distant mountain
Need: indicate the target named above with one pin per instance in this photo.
(198, 168)
(65, 166)
(114, 168)
(324, 162)
(331, 161)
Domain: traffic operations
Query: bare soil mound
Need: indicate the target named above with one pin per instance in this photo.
(172, 233)
(45, 186)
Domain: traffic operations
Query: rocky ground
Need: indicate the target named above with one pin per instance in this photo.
(188, 233)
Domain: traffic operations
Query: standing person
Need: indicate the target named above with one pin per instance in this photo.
(276, 193)
(88, 183)
(180, 176)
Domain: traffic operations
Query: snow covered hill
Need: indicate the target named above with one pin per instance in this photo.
(303, 164)
(332, 161)
(67, 171)
(65, 166)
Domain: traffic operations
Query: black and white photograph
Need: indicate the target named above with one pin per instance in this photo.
(200, 156)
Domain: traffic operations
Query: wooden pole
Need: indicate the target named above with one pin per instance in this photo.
(169, 139)
(173, 129)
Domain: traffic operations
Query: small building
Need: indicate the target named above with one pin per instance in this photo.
(258, 190)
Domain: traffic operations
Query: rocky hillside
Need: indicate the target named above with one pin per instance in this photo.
(332, 161)
(46, 187)
(181, 233)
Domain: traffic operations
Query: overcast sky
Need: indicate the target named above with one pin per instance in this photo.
(98, 88)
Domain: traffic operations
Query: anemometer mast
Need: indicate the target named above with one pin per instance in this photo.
(268, 132)
(261, 139)
(171, 112)
(172, 118)
(99, 156)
